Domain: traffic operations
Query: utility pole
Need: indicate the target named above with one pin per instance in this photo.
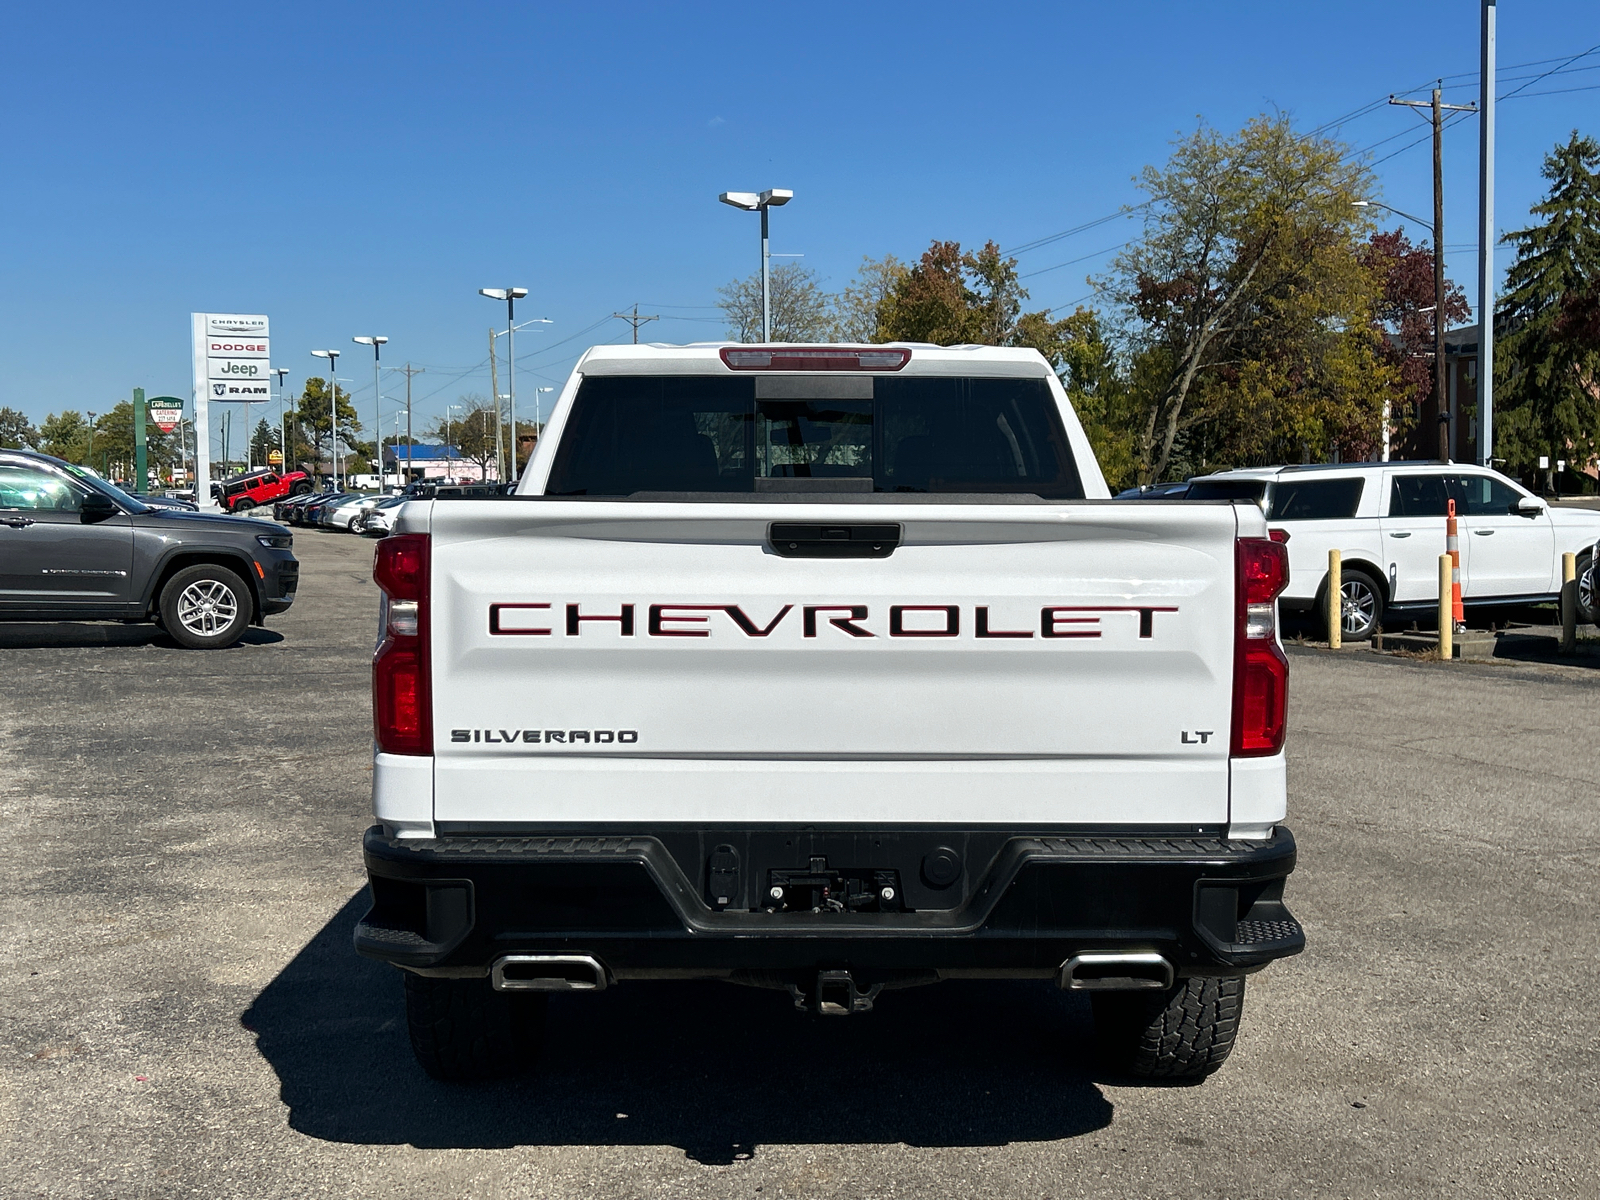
(1486, 240)
(410, 371)
(494, 389)
(1440, 397)
(141, 476)
(635, 320)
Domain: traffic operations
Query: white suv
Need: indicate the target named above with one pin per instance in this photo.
(1388, 520)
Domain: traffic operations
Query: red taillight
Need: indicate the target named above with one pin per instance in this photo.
(814, 358)
(1260, 671)
(1279, 535)
(402, 693)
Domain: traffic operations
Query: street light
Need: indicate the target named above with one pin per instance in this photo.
(333, 409)
(760, 202)
(542, 391)
(510, 296)
(377, 398)
(283, 421)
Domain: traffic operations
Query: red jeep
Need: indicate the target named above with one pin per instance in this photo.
(261, 486)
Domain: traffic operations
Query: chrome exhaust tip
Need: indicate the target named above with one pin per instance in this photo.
(1116, 972)
(548, 973)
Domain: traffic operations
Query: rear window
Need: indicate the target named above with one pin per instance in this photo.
(794, 433)
(1315, 499)
(1226, 489)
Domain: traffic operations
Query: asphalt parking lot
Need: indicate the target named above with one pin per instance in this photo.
(181, 1012)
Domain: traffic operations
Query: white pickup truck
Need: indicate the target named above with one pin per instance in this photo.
(829, 669)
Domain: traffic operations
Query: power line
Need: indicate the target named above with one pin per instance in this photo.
(1550, 72)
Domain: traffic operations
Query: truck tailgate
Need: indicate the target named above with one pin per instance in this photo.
(625, 662)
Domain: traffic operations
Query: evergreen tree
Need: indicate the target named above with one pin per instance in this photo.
(1545, 378)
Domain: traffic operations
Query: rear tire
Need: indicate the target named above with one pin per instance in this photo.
(1588, 602)
(463, 1030)
(206, 607)
(1186, 1032)
(1362, 605)
(300, 489)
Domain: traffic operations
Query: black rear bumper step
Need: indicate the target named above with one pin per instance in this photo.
(1024, 902)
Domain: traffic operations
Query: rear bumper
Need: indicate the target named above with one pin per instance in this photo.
(648, 905)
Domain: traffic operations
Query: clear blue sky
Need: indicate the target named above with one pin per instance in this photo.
(353, 169)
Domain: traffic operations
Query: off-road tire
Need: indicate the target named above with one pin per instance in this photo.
(464, 1030)
(1185, 1032)
(1361, 592)
(300, 489)
(1588, 585)
(243, 505)
(217, 582)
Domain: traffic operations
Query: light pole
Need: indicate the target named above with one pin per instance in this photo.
(333, 410)
(377, 396)
(510, 296)
(283, 421)
(536, 408)
(760, 202)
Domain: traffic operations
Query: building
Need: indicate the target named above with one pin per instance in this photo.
(418, 461)
(1421, 441)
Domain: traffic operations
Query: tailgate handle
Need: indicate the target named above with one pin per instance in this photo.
(832, 541)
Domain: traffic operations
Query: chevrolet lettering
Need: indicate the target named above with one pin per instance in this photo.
(833, 670)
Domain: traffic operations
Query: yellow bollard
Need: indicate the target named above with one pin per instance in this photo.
(1569, 603)
(1447, 624)
(1335, 600)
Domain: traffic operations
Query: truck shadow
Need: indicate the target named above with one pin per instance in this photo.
(714, 1069)
(70, 635)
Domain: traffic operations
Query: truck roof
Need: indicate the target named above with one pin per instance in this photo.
(700, 358)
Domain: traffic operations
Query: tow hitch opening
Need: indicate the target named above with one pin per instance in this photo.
(834, 994)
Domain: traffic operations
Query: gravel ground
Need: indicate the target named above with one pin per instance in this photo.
(181, 1013)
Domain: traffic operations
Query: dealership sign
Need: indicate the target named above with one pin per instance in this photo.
(232, 363)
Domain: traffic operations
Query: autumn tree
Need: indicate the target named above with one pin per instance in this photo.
(1546, 368)
(1403, 274)
(1244, 302)
(859, 309)
(801, 310)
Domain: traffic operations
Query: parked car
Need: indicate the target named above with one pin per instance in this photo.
(1388, 522)
(873, 692)
(339, 515)
(378, 521)
(74, 547)
(238, 493)
(311, 513)
(282, 508)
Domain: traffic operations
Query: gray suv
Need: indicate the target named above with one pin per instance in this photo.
(73, 547)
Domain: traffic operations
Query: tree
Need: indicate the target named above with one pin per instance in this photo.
(1546, 368)
(66, 435)
(16, 431)
(313, 414)
(472, 433)
(1096, 385)
(114, 442)
(1404, 311)
(858, 310)
(1247, 240)
(263, 441)
(801, 310)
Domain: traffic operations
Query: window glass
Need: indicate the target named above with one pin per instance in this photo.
(706, 433)
(1226, 489)
(1418, 496)
(1315, 499)
(29, 488)
(1483, 496)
